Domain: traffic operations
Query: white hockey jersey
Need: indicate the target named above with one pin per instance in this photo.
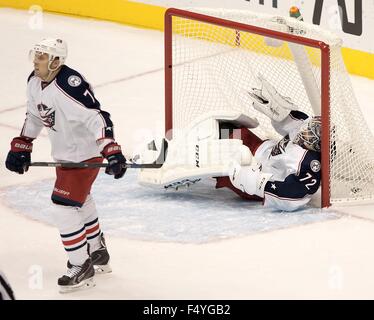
(69, 110)
(296, 171)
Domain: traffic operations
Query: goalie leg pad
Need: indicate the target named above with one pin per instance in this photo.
(195, 161)
(198, 152)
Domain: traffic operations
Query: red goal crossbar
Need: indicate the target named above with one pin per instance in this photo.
(325, 78)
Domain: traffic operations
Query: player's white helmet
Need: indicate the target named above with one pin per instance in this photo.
(309, 136)
(54, 47)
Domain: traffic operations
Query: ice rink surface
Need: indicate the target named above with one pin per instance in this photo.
(199, 243)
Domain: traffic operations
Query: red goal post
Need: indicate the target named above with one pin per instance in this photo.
(242, 27)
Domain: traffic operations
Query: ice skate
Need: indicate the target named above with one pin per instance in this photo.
(100, 258)
(77, 277)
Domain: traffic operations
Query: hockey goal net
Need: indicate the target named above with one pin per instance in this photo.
(212, 57)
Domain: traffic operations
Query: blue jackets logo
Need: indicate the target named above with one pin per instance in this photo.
(47, 115)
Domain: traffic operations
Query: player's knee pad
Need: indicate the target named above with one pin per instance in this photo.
(88, 210)
(66, 218)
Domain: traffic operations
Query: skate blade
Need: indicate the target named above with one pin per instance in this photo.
(85, 284)
(102, 269)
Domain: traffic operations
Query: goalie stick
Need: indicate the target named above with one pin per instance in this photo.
(93, 165)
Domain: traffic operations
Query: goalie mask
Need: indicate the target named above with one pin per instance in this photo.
(309, 136)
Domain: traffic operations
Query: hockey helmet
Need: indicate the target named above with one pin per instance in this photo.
(55, 48)
(309, 135)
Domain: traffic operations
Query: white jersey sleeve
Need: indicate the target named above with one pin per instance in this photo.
(33, 125)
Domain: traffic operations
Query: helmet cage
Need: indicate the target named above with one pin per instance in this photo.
(309, 136)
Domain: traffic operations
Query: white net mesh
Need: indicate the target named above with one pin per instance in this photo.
(214, 66)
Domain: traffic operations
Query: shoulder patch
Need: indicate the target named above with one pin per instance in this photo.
(311, 163)
(74, 81)
(76, 86)
(315, 165)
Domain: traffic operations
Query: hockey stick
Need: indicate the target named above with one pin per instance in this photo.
(93, 165)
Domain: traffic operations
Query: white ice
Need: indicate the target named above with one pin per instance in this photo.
(195, 215)
(197, 243)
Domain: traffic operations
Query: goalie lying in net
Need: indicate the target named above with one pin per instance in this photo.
(283, 174)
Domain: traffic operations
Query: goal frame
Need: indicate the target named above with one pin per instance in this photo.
(325, 78)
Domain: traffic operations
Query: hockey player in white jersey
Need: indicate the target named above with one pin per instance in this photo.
(61, 100)
(285, 173)
(282, 174)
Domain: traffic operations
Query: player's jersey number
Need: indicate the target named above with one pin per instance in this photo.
(89, 93)
(308, 178)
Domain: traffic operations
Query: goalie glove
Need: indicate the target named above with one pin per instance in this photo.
(268, 101)
(249, 179)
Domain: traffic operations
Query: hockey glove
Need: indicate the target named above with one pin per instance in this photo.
(19, 156)
(268, 101)
(116, 160)
(249, 179)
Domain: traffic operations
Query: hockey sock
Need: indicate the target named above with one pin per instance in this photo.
(73, 234)
(91, 222)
